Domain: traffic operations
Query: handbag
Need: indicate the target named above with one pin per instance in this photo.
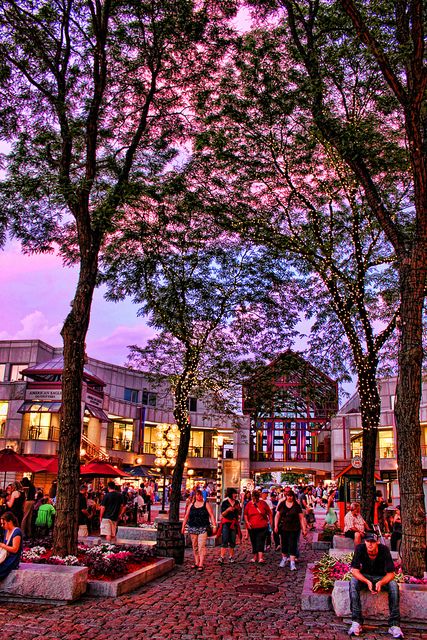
(3, 552)
(209, 530)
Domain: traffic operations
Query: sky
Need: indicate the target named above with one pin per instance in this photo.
(36, 295)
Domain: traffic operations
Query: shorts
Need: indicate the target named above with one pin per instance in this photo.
(83, 531)
(108, 528)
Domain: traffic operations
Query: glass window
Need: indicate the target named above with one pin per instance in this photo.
(131, 395)
(15, 372)
(192, 404)
(2, 372)
(41, 426)
(386, 443)
(3, 415)
(149, 398)
(122, 436)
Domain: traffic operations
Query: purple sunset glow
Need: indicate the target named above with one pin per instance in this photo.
(36, 295)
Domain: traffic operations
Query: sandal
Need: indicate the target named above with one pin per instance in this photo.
(195, 566)
(199, 568)
(261, 561)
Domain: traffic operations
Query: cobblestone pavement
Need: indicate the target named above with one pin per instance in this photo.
(187, 605)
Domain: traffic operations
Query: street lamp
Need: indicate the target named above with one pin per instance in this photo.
(167, 440)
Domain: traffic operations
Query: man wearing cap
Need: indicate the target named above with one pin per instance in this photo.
(373, 568)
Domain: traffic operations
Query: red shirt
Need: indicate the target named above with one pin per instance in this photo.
(258, 516)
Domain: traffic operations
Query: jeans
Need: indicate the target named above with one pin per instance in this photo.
(393, 599)
(228, 536)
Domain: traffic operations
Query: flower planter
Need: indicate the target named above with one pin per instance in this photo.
(131, 581)
(314, 600)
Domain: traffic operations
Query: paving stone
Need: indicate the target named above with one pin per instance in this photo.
(186, 605)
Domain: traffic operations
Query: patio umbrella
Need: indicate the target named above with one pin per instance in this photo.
(47, 465)
(140, 472)
(12, 461)
(101, 469)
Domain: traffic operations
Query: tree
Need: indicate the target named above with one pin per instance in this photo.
(201, 290)
(322, 40)
(93, 99)
(282, 185)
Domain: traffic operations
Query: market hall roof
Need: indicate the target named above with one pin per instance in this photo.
(51, 370)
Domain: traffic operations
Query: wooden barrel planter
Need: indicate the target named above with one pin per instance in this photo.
(170, 541)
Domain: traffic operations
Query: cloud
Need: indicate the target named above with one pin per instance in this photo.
(114, 346)
(35, 326)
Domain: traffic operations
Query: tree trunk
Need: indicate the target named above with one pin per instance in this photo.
(182, 417)
(178, 473)
(370, 409)
(407, 413)
(74, 335)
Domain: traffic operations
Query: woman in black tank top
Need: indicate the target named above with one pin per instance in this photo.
(198, 516)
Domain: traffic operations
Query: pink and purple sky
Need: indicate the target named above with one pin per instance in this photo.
(36, 295)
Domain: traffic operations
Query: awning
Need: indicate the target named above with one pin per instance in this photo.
(139, 471)
(40, 407)
(96, 412)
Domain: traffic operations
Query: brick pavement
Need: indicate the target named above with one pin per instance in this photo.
(186, 605)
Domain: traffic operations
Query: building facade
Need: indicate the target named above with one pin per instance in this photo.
(120, 411)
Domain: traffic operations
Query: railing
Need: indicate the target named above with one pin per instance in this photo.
(193, 452)
(278, 456)
(385, 452)
(120, 445)
(38, 433)
(93, 450)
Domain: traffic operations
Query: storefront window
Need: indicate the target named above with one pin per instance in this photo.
(2, 372)
(386, 444)
(121, 438)
(41, 426)
(3, 416)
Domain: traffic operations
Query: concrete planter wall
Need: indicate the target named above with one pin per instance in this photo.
(130, 582)
(56, 583)
(413, 602)
(320, 545)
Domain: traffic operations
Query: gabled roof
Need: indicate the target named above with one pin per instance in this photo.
(56, 367)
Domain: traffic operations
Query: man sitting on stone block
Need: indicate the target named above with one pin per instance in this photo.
(373, 568)
(355, 526)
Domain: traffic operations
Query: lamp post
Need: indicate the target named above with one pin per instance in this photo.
(167, 439)
(220, 445)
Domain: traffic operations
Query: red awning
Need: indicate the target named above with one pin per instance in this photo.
(351, 471)
(100, 469)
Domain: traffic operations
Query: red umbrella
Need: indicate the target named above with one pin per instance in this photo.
(101, 469)
(47, 465)
(12, 461)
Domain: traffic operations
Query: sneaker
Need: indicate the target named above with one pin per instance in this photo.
(355, 629)
(221, 560)
(293, 567)
(231, 560)
(283, 562)
(396, 632)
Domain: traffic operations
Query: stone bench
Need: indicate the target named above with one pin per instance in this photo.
(91, 541)
(137, 533)
(41, 582)
(413, 602)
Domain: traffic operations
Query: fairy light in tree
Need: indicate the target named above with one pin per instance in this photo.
(167, 441)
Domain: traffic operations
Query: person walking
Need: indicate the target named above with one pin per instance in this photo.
(16, 500)
(258, 517)
(289, 523)
(372, 568)
(30, 498)
(199, 517)
(230, 515)
(112, 508)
